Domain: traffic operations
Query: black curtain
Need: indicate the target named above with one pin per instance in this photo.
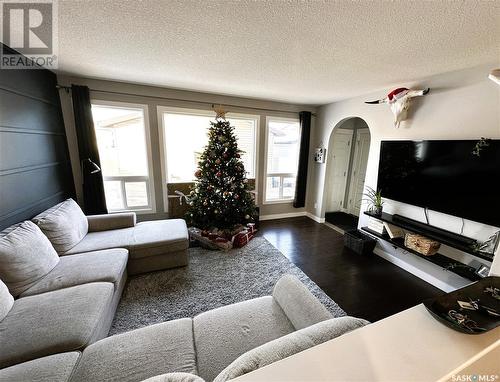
(305, 136)
(93, 187)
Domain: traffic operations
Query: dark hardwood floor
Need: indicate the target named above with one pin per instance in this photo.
(364, 286)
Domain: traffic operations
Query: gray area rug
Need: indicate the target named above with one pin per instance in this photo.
(211, 280)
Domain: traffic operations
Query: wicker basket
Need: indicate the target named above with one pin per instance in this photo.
(359, 242)
(421, 244)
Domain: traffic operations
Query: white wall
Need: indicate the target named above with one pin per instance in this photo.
(157, 96)
(461, 105)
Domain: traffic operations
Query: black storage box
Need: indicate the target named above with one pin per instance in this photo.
(359, 242)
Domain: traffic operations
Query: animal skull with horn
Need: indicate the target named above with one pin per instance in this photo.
(399, 101)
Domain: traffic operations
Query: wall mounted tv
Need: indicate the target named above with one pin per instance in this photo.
(458, 178)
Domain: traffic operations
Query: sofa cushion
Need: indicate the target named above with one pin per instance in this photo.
(6, 300)
(107, 265)
(108, 222)
(175, 377)
(26, 255)
(222, 335)
(64, 224)
(96, 241)
(289, 345)
(146, 239)
(159, 237)
(53, 368)
(54, 322)
(140, 354)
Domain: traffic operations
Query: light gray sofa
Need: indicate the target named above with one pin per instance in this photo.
(67, 302)
(57, 305)
(219, 344)
(68, 309)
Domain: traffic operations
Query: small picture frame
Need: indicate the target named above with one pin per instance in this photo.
(320, 155)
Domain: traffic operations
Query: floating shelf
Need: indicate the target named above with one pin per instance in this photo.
(442, 261)
(451, 239)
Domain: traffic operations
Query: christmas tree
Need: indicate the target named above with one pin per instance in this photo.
(220, 197)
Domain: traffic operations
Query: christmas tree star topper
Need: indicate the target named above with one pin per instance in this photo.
(220, 113)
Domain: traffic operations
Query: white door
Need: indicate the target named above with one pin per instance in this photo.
(338, 167)
(360, 160)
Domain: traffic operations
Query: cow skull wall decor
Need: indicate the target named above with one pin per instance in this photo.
(399, 100)
(495, 76)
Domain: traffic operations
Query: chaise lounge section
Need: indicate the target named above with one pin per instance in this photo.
(152, 245)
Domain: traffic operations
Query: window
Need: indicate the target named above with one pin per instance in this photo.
(282, 142)
(185, 136)
(122, 140)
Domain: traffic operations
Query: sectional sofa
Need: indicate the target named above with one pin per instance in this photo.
(61, 278)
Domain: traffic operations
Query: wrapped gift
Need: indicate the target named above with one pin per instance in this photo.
(251, 228)
(210, 240)
(242, 238)
(223, 243)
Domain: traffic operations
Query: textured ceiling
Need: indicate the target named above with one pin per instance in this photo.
(311, 52)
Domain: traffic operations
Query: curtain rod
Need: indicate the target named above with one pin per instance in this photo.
(212, 104)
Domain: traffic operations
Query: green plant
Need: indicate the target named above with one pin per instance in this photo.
(374, 198)
(480, 146)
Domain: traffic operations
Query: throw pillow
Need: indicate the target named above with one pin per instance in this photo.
(65, 225)
(26, 255)
(288, 345)
(6, 300)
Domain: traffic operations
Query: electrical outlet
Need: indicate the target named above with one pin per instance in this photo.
(315, 206)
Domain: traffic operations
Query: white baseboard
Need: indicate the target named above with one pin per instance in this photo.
(292, 215)
(317, 219)
(335, 228)
(282, 216)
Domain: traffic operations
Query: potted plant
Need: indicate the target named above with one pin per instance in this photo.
(374, 199)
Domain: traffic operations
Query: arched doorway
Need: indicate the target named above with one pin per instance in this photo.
(347, 158)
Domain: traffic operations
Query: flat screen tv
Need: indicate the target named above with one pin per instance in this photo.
(459, 178)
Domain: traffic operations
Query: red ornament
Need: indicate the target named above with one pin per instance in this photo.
(198, 173)
(237, 155)
(236, 196)
(219, 174)
(224, 155)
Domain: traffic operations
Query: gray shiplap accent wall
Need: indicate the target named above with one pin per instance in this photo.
(35, 172)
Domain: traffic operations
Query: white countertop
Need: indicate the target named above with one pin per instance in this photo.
(408, 346)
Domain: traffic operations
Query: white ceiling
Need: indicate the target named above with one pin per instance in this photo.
(310, 52)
